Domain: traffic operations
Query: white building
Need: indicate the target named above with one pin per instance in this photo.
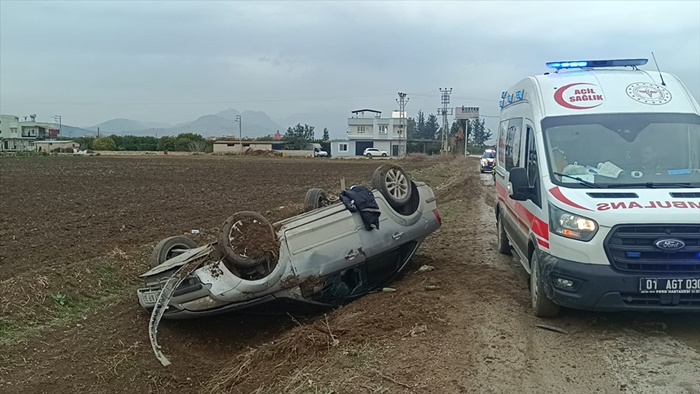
(16, 135)
(367, 129)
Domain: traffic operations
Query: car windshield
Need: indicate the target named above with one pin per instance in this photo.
(624, 150)
(489, 155)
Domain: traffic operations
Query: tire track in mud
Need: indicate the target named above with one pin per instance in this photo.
(652, 363)
(510, 353)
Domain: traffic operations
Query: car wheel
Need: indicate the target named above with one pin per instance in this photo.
(394, 183)
(169, 248)
(542, 306)
(503, 244)
(384, 154)
(369, 155)
(247, 239)
(316, 198)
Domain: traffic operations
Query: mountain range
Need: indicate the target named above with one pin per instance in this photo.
(254, 124)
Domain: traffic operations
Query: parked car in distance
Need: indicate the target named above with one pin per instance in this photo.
(371, 152)
(325, 256)
(318, 152)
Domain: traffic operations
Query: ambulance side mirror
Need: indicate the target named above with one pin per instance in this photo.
(518, 184)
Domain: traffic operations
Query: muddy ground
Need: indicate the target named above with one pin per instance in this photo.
(463, 327)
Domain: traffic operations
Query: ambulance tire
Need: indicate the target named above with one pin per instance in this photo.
(542, 306)
(503, 244)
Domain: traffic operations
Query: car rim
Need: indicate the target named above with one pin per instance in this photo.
(323, 202)
(397, 184)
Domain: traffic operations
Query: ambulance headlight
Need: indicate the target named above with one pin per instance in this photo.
(570, 225)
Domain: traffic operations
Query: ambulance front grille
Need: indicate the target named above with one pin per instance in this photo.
(631, 248)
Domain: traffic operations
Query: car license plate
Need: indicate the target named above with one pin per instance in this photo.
(669, 285)
(150, 297)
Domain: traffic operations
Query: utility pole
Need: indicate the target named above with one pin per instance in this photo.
(240, 129)
(58, 118)
(445, 100)
(403, 130)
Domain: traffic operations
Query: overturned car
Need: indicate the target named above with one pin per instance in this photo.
(336, 251)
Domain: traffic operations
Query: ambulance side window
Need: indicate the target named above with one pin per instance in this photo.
(512, 151)
(532, 166)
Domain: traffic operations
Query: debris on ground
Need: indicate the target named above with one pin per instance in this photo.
(552, 328)
(426, 268)
(432, 287)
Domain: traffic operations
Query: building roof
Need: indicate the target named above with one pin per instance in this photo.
(366, 110)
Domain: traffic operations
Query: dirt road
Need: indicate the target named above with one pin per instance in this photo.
(464, 327)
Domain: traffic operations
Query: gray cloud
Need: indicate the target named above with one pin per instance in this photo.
(174, 61)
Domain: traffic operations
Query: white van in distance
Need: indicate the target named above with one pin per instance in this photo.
(598, 182)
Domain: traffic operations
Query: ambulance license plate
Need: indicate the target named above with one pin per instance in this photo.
(669, 285)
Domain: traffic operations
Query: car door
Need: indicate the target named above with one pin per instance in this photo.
(391, 233)
(515, 222)
(325, 241)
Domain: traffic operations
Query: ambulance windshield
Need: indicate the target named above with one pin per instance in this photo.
(624, 150)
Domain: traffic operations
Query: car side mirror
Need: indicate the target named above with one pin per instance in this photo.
(518, 184)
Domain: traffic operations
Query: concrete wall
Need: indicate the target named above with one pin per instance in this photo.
(297, 153)
(383, 145)
(16, 144)
(48, 146)
(235, 147)
(336, 152)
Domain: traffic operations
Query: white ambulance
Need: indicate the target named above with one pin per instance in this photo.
(598, 182)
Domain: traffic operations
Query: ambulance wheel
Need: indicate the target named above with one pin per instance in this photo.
(503, 244)
(542, 306)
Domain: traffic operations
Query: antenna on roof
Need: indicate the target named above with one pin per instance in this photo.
(657, 67)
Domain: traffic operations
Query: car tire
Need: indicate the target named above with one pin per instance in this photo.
(224, 240)
(384, 155)
(169, 248)
(315, 198)
(542, 306)
(369, 155)
(394, 183)
(503, 244)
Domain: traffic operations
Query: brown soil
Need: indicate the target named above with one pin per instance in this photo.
(75, 208)
(473, 332)
(253, 239)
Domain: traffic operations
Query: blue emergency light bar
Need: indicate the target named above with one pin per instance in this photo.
(597, 63)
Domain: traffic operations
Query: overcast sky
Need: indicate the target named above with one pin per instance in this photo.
(90, 61)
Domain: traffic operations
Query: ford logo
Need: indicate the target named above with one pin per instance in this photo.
(670, 244)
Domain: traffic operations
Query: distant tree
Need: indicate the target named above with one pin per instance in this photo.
(420, 126)
(166, 143)
(326, 135)
(479, 133)
(104, 143)
(431, 128)
(455, 128)
(411, 129)
(298, 136)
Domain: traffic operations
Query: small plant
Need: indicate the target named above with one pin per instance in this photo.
(59, 299)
